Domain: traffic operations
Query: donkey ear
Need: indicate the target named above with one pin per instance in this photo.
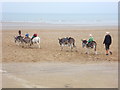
(81, 39)
(58, 38)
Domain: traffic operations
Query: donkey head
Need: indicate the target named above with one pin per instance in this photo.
(84, 42)
(60, 41)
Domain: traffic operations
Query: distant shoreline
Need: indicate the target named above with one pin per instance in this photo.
(44, 26)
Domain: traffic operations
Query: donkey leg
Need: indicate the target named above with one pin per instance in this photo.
(38, 45)
(87, 52)
(61, 47)
(75, 47)
(15, 40)
(22, 45)
(17, 43)
(95, 52)
(95, 49)
(71, 47)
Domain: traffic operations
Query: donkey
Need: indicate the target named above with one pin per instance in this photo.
(18, 39)
(35, 40)
(27, 41)
(22, 41)
(92, 45)
(67, 42)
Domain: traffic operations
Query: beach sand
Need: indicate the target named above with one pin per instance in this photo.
(50, 53)
(60, 75)
(0, 57)
(50, 49)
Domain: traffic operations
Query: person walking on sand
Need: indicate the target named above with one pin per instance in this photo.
(107, 41)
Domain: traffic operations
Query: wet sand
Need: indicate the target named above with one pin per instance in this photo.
(60, 75)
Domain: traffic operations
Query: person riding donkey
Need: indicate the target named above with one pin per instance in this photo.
(89, 43)
(34, 35)
(27, 35)
(19, 37)
(19, 32)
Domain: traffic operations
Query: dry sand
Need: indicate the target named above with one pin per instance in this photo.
(50, 49)
(77, 69)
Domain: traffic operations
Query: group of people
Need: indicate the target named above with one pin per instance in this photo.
(27, 35)
(107, 40)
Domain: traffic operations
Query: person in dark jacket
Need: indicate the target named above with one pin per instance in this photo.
(107, 41)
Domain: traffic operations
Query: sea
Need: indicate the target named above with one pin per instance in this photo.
(51, 20)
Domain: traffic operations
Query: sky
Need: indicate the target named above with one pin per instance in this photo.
(59, 7)
(59, 0)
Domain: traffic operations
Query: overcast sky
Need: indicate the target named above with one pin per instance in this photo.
(60, 7)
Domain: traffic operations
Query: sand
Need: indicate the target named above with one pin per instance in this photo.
(60, 75)
(51, 67)
(0, 57)
(50, 49)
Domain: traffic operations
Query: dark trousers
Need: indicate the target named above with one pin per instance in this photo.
(107, 46)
